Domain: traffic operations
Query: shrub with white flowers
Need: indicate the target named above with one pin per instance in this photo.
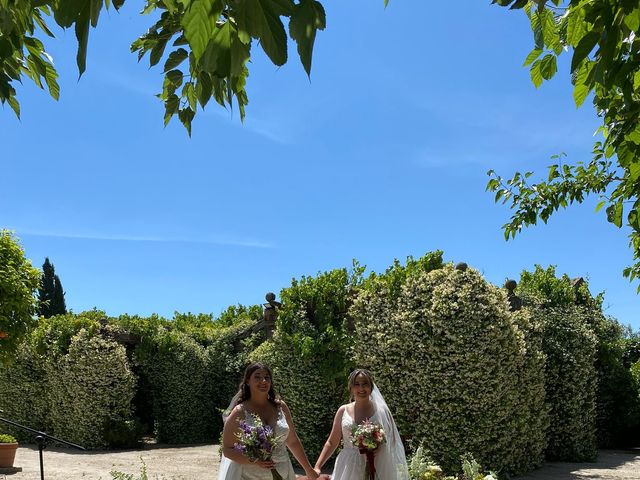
(87, 388)
(453, 364)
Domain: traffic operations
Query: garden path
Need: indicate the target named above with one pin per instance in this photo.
(201, 463)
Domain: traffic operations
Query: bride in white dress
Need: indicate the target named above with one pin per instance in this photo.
(257, 397)
(368, 403)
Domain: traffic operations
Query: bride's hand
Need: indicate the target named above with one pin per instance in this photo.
(313, 475)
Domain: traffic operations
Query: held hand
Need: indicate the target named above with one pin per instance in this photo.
(313, 474)
(268, 464)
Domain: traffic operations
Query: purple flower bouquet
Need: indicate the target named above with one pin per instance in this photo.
(257, 442)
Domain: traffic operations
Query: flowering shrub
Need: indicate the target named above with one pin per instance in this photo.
(570, 384)
(88, 387)
(454, 367)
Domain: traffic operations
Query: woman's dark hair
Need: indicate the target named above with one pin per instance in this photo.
(244, 393)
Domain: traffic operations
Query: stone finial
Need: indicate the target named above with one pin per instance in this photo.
(270, 313)
(515, 302)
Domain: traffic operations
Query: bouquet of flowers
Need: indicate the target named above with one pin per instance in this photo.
(368, 436)
(257, 442)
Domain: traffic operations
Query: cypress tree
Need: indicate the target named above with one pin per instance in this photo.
(50, 294)
(58, 306)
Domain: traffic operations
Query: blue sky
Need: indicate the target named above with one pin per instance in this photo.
(383, 154)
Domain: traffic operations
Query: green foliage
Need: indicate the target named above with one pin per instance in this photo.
(421, 467)
(4, 438)
(394, 277)
(314, 318)
(235, 313)
(570, 383)
(214, 37)
(53, 335)
(182, 403)
(18, 283)
(554, 291)
(605, 62)
(88, 388)
(617, 410)
(468, 381)
(188, 370)
(50, 293)
(618, 407)
(24, 389)
(143, 475)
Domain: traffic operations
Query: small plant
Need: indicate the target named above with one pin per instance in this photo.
(4, 438)
(421, 467)
(472, 470)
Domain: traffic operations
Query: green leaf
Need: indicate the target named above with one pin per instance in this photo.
(95, 6)
(226, 54)
(204, 88)
(576, 26)
(600, 204)
(199, 22)
(15, 106)
(632, 20)
(51, 77)
(614, 213)
(175, 58)
(584, 48)
(549, 29)
(634, 170)
(82, 34)
(260, 20)
(171, 105)
(533, 55)
(157, 51)
(536, 74)
(582, 85)
(548, 66)
(308, 17)
(186, 117)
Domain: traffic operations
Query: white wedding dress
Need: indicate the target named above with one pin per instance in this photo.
(230, 470)
(390, 462)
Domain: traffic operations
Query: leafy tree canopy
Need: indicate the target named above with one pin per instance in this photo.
(205, 44)
(18, 283)
(602, 36)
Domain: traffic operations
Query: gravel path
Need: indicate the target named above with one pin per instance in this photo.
(201, 462)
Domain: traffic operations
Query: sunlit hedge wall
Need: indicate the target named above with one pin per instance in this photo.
(453, 364)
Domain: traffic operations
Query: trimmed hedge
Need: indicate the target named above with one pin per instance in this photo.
(24, 394)
(570, 384)
(467, 382)
(88, 389)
